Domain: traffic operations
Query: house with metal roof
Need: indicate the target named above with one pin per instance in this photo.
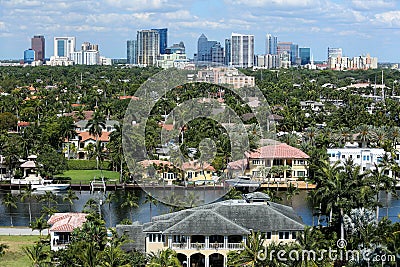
(203, 236)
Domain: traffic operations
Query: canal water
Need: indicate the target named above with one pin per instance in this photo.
(115, 213)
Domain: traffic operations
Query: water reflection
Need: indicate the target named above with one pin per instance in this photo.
(114, 213)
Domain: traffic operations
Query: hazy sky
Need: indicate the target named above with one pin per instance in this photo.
(357, 26)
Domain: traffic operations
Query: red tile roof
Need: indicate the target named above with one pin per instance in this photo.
(66, 222)
(105, 136)
(122, 97)
(238, 164)
(195, 165)
(23, 123)
(168, 127)
(280, 151)
(146, 163)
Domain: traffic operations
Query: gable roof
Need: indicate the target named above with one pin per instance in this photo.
(279, 151)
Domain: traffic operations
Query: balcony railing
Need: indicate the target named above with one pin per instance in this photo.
(202, 246)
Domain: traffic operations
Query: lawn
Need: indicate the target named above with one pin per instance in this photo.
(85, 176)
(15, 256)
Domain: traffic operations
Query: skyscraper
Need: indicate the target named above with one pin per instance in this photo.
(334, 52)
(242, 50)
(38, 45)
(227, 52)
(29, 56)
(64, 46)
(217, 54)
(271, 46)
(305, 55)
(204, 49)
(163, 35)
(294, 54)
(131, 51)
(148, 47)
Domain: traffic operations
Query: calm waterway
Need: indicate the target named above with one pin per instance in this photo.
(114, 213)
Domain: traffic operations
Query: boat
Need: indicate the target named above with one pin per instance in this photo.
(243, 181)
(50, 187)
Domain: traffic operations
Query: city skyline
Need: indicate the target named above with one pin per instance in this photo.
(358, 27)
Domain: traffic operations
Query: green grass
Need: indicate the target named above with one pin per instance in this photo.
(85, 176)
(15, 256)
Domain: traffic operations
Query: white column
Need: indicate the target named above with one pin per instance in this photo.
(207, 245)
(170, 241)
(225, 241)
(206, 261)
(188, 261)
(188, 242)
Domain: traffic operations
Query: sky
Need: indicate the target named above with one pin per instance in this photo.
(357, 26)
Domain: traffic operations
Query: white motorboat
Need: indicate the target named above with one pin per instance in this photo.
(50, 187)
(243, 181)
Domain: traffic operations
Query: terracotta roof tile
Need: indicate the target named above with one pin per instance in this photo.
(105, 136)
(66, 222)
(281, 151)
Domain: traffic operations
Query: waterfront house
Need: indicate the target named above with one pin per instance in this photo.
(61, 227)
(276, 162)
(366, 158)
(165, 170)
(204, 235)
(30, 172)
(198, 172)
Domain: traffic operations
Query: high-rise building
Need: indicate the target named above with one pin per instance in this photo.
(242, 50)
(148, 47)
(271, 45)
(163, 42)
(38, 45)
(290, 48)
(204, 49)
(227, 52)
(64, 46)
(131, 52)
(86, 46)
(176, 49)
(88, 55)
(305, 55)
(217, 54)
(29, 56)
(334, 52)
(294, 54)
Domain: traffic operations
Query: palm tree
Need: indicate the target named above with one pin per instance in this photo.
(151, 200)
(109, 199)
(36, 254)
(233, 193)
(27, 194)
(48, 197)
(67, 127)
(130, 201)
(252, 254)
(70, 197)
(39, 224)
(291, 192)
(191, 200)
(273, 196)
(164, 258)
(96, 126)
(10, 202)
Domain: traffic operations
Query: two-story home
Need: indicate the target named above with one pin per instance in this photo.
(277, 162)
(204, 235)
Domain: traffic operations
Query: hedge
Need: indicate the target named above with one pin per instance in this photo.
(80, 164)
